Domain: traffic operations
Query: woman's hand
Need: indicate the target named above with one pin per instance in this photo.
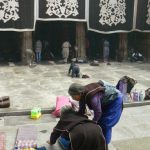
(49, 142)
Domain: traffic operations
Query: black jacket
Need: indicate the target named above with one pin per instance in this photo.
(84, 134)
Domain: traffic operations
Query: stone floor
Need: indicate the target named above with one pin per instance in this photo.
(133, 130)
(39, 86)
(131, 133)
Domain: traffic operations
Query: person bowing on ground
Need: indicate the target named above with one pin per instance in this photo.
(77, 132)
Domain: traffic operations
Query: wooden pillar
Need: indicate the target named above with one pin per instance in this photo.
(80, 39)
(26, 44)
(123, 46)
(148, 49)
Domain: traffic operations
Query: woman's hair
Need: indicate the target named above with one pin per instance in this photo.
(66, 110)
(76, 89)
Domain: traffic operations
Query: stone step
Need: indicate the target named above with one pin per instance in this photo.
(14, 112)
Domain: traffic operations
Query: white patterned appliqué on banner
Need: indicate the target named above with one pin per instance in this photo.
(9, 10)
(62, 8)
(112, 12)
(148, 13)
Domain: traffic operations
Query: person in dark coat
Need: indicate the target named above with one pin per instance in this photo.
(104, 99)
(137, 56)
(77, 132)
(74, 70)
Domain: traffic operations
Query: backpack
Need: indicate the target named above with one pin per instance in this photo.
(4, 102)
(147, 94)
(129, 81)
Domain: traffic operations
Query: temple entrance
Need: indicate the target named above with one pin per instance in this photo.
(10, 46)
(96, 45)
(55, 33)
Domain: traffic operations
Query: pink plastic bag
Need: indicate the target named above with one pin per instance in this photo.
(60, 102)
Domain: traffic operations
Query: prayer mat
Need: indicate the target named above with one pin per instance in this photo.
(26, 137)
(2, 141)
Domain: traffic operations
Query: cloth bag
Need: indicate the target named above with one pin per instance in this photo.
(60, 102)
(147, 94)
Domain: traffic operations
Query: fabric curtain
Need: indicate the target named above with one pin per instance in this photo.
(17, 15)
(71, 10)
(143, 15)
(110, 16)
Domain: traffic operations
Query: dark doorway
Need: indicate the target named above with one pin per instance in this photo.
(55, 33)
(10, 46)
(96, 44)
(139, 41)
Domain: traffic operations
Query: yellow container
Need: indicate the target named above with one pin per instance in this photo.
(36, 113)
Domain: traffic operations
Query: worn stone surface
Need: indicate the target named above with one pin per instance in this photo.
(22, 120)
(133, 130)
(131, 133)
(39, 86)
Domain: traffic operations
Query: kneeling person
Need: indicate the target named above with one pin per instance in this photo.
(77, 132)
(30, 56)
(74, 70)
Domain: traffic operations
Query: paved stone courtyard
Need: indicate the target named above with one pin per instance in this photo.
(39, 86)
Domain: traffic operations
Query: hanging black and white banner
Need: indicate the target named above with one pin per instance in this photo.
(73, 10)
(109, 16)
(143, 15)
(17, 15)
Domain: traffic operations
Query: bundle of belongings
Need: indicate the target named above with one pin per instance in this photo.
(85, 76)
(4, 102)
(51, 62)
(147, 94)
(94, 63)
(125, 85)
(130, 83)
(81, 60)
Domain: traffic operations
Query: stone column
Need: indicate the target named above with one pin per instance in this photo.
(123, 46)
(26, 44)
(80, 39)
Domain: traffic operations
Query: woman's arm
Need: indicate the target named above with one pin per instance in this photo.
(54, 136)
(96, 106)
